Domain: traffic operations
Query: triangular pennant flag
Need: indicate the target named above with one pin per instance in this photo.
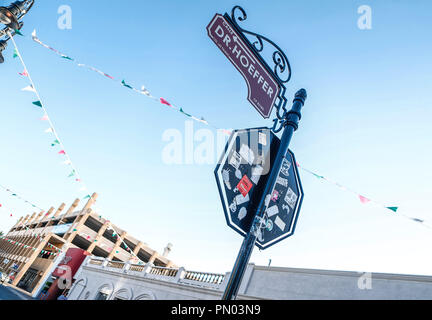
(163, 101)
(29, 88)
(18, 32)
(394, 209)
(56, 142)
(24, 73)
(318, 176)
(44, 118)
(34, 34)
(126, 85)
(145, 91)
(186, 114)
(62, 152)
(87, 197)
(15, 54)
(72, 174)
(364, 200)
(37, 103)
(67, 58)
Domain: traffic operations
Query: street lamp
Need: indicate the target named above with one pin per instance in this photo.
(10, 16)
(3, 45)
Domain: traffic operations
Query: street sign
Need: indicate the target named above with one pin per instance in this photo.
(263, 87)
(282, 205)
(242, 175)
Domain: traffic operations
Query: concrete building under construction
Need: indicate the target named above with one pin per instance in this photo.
(32, 248)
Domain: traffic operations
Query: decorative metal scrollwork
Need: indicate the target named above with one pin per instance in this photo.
(282, 67)
(281, 70)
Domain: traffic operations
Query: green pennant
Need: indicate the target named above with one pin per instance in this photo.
(37, 103)
(56, 142)
(394, 209)
(186, 114)
(126, 85)
(87, 197)
(18, 32)
(319, 177)
(72, 174)
(67, 58)
(15, 53)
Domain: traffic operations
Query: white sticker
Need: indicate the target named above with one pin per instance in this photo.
(256, 174)
(239, 200)
(238, 174)
(235, 160)
(247, 154)
(280, 223)
(272, 211)
(233, 207)
(225, 175)
(262, 137)
(291, 198)
(282, 181)
(286, 166)
(287, 208)
(242, 214)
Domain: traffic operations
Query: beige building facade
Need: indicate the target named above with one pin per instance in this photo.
(34, 245)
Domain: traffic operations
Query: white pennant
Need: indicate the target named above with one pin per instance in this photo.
(29, 88)
(50, 130)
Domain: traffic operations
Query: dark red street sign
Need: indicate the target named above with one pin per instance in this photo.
(263, 88)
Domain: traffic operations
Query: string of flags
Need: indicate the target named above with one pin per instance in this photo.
(56, 142)
(144, 91)
(17, 196)
(24, 246)
(365, 200)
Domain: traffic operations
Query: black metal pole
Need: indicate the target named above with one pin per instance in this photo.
(290, 123)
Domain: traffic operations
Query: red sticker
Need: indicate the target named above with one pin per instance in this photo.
(244, 186)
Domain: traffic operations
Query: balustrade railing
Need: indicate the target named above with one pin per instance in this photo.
(212, 278)
(200, 279)
(167, 272)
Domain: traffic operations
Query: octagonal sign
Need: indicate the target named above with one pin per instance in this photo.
(241, 176)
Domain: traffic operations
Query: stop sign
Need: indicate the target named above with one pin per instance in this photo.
(241, 176)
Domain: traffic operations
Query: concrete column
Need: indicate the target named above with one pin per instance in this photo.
(16, 224)
(32, 258)
(90, 202)
(138, 248)
(81, 218)
(32, 218)
(180, 274)
(117, 245)
(153, 257)
(59, 210)
(70, 210)
(39, 219)
(98, 238)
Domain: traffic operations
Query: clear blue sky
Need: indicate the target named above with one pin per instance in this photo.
(366, 125)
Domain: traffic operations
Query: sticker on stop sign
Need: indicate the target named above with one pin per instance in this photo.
(244, 186)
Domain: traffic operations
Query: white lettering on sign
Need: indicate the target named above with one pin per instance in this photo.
(245, 60)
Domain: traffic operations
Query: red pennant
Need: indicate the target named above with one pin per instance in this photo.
(163, 101)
